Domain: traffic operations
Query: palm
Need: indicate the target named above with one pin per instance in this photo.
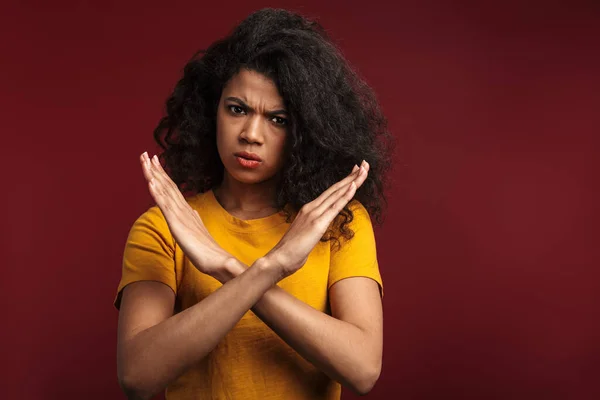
(185, 224)
(312, 221)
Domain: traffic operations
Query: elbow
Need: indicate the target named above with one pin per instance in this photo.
(133, 388)
(367, 380)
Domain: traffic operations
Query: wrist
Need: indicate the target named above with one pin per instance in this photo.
(285, 260)
(232, 267)
(269, 266)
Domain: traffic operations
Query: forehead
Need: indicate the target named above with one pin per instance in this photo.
(253, 87)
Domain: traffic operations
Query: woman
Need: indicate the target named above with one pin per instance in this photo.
(264, 284)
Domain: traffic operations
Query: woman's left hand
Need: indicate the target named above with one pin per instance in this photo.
(185, 223)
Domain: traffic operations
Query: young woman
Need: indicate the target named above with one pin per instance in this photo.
(263, 283)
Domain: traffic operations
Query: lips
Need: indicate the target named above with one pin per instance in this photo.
(248, 156)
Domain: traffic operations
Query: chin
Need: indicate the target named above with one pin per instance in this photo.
(247, 180)
(246, 176)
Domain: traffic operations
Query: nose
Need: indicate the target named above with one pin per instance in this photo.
(251, 131)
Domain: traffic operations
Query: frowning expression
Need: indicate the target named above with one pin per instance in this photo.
(251, 118)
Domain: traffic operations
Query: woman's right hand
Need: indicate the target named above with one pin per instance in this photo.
(185, 223)
(312, 221)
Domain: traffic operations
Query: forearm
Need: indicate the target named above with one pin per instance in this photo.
(158, 355)
(340, 349)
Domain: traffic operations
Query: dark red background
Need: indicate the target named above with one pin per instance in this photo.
(488, 251)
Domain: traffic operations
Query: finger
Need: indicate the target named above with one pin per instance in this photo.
(355, 171)
(146, 168)
(150, 171)
(318, 203)
(163, 189)
(331, 212)
(330, 202)
(358, 180)
(361, 176)
(343, 182)
(159, 174)
(170, 206)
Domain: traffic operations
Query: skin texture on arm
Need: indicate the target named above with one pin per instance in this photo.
(347, 345)
(300, 123)
(155, 346)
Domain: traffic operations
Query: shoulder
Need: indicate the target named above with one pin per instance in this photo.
(359, 211)
(152, 217)
(360, 219)
(150, 227)
(357, 228)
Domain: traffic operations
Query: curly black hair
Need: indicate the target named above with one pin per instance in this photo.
(335, 120)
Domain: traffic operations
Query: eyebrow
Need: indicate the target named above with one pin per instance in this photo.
(242, 103)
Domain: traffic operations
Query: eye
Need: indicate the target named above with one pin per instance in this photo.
(279, 120)
(235, 109)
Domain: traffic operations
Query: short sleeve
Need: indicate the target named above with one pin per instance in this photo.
(149, 253)
(357, 256)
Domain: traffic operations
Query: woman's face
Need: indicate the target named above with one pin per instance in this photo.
(251, 118)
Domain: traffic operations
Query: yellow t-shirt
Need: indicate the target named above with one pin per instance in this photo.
(251, 362)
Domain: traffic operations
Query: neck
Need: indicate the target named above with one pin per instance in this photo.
(256, 198)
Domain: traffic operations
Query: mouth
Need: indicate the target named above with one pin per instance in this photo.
(248, 156)
(244, 162)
